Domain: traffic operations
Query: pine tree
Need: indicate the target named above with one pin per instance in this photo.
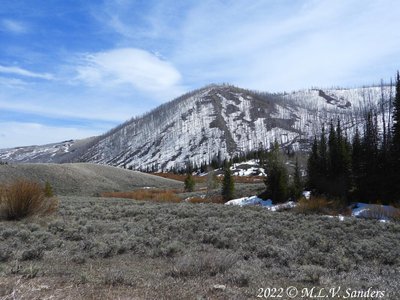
(395, 144)
(323, 153)
(297, 184)
(313, 170)
(343, 164)
(189, 183)
(333, 153)
(228, 185)
(357, 165)
(277, 178)
(370, 176)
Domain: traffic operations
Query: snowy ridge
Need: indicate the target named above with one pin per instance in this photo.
(216, 121)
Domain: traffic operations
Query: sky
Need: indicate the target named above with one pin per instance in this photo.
(74, 69)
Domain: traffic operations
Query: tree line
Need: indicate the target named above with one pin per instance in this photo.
(365, 168)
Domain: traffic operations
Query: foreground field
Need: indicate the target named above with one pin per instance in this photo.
(101, 248)
(84, 179)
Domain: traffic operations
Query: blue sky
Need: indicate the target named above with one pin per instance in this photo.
(73, 69)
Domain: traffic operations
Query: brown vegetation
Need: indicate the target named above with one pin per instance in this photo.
(321, 205)
(203, 179)
(180, 177)
(147, 195)
(23, 198)
(211, 199)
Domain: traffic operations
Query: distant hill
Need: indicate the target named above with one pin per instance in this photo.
(216, 121)
(84, 178)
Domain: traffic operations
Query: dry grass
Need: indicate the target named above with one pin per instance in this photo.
(203, 179)
(212, 199)
(147, 194)
(179, 177)
(321, 205)
(248, 179)
(23, 198)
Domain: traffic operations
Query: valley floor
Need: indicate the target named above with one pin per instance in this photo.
(103, 248)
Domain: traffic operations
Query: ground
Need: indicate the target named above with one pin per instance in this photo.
(102, 248)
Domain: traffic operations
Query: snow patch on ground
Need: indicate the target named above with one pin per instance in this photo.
(382, 213)
(256, 201)
(252, 200)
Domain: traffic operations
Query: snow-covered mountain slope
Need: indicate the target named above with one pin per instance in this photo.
(219, 121)
(51, 153)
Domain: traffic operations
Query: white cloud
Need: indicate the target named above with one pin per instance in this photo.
(271, 45)
(15, 134)
(13, 83)
(138, 68)
(14, 26)
(23, 72)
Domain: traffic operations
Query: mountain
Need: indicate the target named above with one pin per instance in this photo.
(215, 121)
(50, 153)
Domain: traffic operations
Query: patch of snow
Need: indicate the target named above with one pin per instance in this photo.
(376, 211)
(252, 200)
(286, 205)
(307, 194)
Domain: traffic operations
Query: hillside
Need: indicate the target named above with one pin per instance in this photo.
(215, 121)
(84, 178)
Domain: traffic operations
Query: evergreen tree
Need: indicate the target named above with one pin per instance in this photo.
(227, 185)
(313, 168)
(323, 153)
(333, 153)
(370, 176)
(357, 164)
(297, 184)
(277, 177)
(343, 164)
(189, 183)
(395, 144)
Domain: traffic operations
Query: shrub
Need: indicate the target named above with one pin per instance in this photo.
(147, 195)
(212, 199)
(379, 212)
(24, 198)
(48, 190)
(315, 205)
(35, 253)
(200, 264)
(117, 277)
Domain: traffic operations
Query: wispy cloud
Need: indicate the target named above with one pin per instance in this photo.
(22, 72)
(269, 45)
(128, 66)
(13, 26)
(108, 62)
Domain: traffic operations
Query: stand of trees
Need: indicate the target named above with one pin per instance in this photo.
(365, 169)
